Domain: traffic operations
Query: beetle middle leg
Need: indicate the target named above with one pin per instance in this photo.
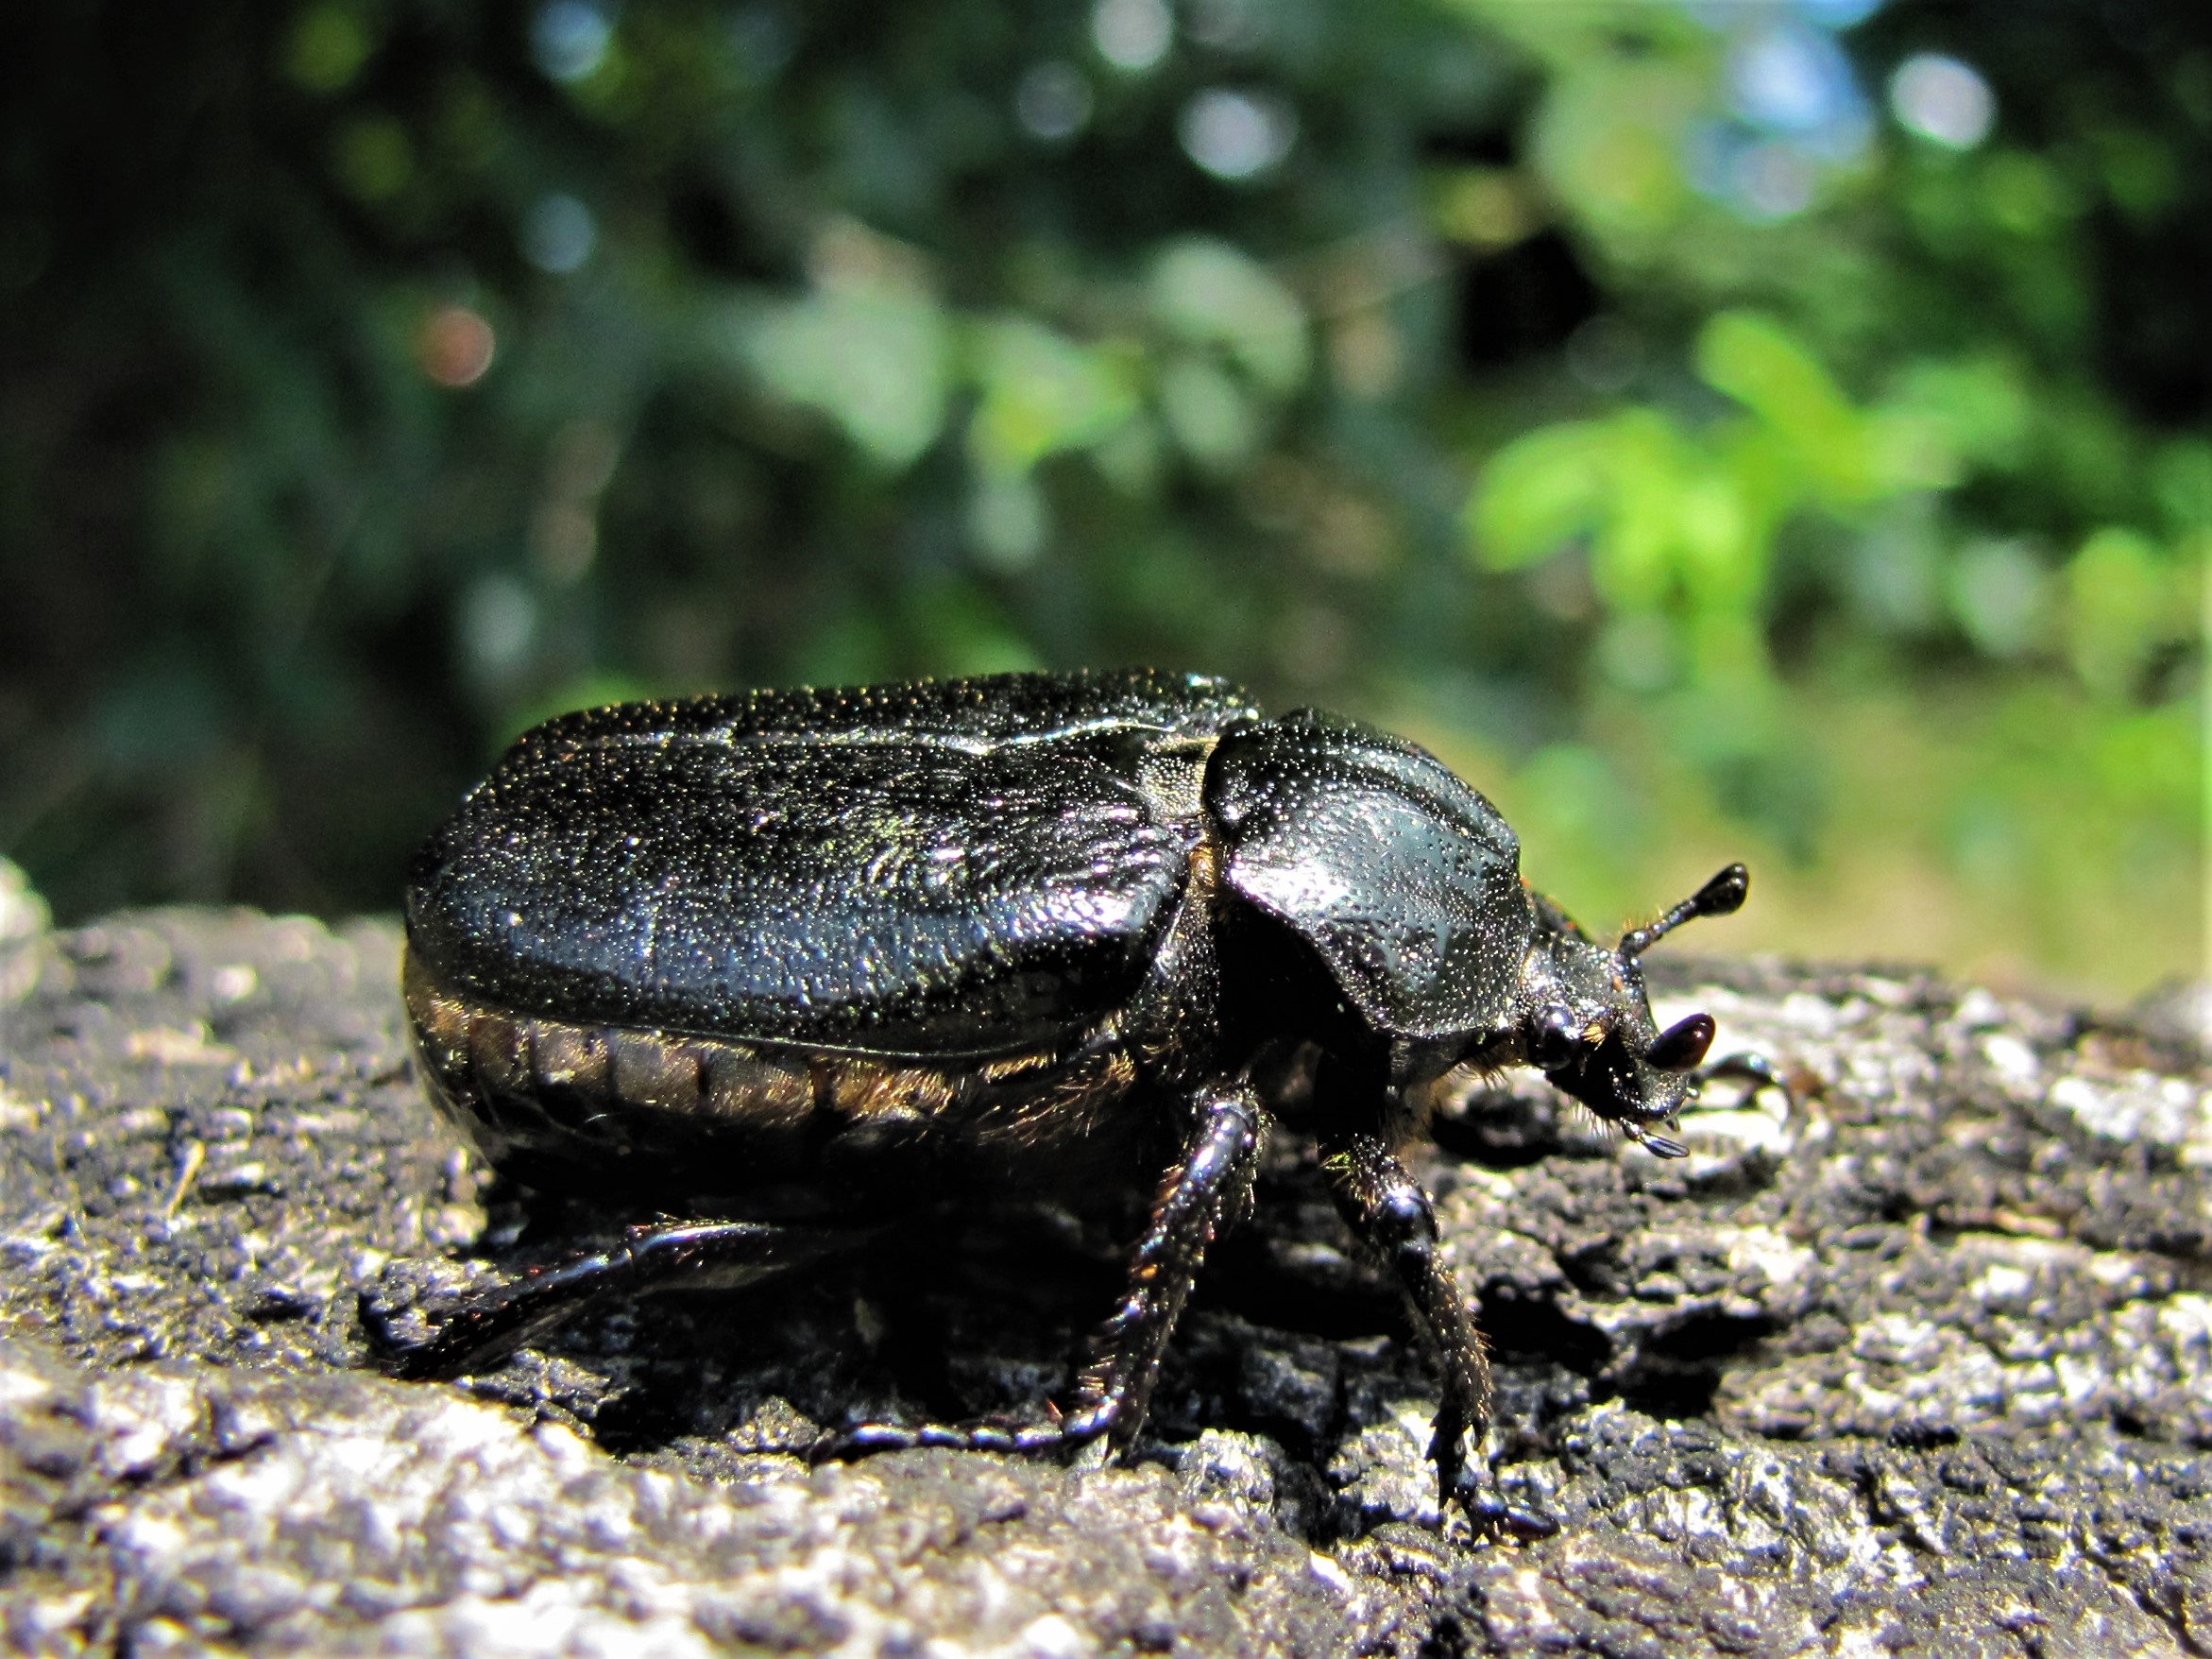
(1207, 1191)
(1392, 1214)
(683, 1256)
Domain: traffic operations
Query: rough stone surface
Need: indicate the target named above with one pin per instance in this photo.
(1920, 1362)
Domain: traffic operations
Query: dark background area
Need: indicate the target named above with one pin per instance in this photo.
(1767, 430)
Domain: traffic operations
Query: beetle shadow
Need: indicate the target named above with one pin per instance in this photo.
(951, 1313)
(946, 1314)
(961, 1313)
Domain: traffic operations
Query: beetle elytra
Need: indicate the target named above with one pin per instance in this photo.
(780, 964)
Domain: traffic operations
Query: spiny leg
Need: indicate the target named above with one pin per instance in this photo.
(1208, 1190)
(688, 1255)
(1390, 1213)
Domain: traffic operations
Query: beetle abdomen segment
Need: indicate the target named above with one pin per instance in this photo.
(588, 1108)
(569, 1106)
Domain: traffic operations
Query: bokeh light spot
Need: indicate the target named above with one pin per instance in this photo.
(1237, 135)
(569, 39)
(1229, 26)
(1483, 207)
(1791, 80)
(563, 540)
(499, 619)
(374, 159)
(1997, 593)
(1839, 14)
(454, 346)
(1131, 34)
(559, 234)
(328, 45)
(1052, 100)
(1605, 355)
(1773, 181)
(761, 40)
(1008, 522)
(1943, 99)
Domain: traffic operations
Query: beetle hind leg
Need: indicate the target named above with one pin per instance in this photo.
(486, 1329)
(1392, 1215)
(1207, 1191)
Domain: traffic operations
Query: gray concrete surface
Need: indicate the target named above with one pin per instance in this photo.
(1922, 1363)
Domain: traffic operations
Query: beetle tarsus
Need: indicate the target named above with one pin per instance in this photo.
(1492, 1516)
(1208, 1188)
(871, 1438)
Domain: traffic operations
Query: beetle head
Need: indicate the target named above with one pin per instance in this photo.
(1586, 1023)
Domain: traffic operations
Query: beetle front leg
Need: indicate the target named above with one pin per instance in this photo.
(1208, 1190)
(1392, 1215)
(1756, 1070)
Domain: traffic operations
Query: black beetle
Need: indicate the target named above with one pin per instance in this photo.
(782, 963)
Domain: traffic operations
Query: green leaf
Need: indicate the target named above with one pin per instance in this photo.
(1207, 292)
(1767, 370)
(1211, 418)
(2117, 609)
(875, 360)
(1540, 492)
(1041, 393)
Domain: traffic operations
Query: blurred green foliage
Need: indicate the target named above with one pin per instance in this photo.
(1781, 427)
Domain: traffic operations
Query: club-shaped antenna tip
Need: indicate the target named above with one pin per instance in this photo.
(1725, 893)
(1722, 896)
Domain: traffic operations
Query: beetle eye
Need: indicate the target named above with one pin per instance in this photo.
(1682, 1045)
(1552, 1036)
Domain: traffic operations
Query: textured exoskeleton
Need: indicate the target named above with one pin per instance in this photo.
(778, 963)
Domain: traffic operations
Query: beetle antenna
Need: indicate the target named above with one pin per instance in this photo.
(1722, 896)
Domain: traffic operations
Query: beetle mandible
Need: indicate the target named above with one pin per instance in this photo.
(779, 962)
